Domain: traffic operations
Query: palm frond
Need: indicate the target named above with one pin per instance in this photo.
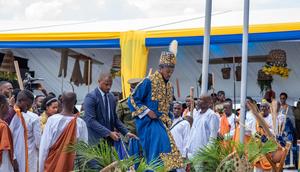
(257, 149)
(127, 163)
(103, 153)
(210, 157)
(155, 165)
(212, 154)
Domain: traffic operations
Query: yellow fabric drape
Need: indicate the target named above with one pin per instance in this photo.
(134, 57)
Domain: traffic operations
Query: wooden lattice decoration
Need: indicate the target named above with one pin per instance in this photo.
(277, 57)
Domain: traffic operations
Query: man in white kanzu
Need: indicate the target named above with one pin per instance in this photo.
(25, 128)
(205, 127)
(180, 129)
(230, 117)
(61, 130)
(265, 108)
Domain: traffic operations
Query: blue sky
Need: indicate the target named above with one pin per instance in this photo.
(121, 9)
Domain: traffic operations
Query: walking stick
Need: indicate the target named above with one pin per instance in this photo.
(192, 101)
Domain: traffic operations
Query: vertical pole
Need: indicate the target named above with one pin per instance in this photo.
(62, 84)
(89, 74)
(192, 101)
(206, 45)
(244, 69)
(234, 85)
(17, 68)
(178, 88)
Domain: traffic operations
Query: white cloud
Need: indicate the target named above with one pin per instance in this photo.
(43, 10)
(120, 9)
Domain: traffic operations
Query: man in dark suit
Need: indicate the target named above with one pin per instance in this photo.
(100, 113)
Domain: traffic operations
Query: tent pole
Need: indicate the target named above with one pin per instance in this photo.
(234, 85)
(89, 74)
(62, 84)
(244, 69)
(205, 57)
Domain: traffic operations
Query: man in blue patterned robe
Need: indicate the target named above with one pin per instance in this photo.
(150, 104)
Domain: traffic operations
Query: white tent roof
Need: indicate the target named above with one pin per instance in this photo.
(220, 18)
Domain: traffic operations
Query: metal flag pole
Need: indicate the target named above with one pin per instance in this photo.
(244, 69)
(206, 44)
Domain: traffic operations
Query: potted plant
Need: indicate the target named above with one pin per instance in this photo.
(264, 81)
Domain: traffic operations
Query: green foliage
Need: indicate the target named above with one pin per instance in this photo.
(8, 76)
(154, 165)
(104, 154)
(264, 85)
(256, 149)
(125, 164)
(11, 77)
(210, 157)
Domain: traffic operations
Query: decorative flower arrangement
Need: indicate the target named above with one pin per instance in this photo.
(276, 64)
(276, 70)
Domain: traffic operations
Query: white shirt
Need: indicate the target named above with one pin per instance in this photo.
(34, 135)
(103, 98)
(269, 121)
(54, 127)
(205, 127)
(180, 132)
(250, 123)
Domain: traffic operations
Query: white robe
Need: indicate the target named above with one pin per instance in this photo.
(180, 133)
(34, 135)
(205, 127)
(54, 127)
(6, 164)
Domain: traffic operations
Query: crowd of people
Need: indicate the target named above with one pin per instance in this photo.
(34, 130)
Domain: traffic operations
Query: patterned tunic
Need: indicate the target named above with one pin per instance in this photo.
(156, 94)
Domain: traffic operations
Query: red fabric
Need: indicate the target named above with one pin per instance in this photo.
(58, 159)
(6, 141)
(224, 127)
(19, 114)
(236, 136)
